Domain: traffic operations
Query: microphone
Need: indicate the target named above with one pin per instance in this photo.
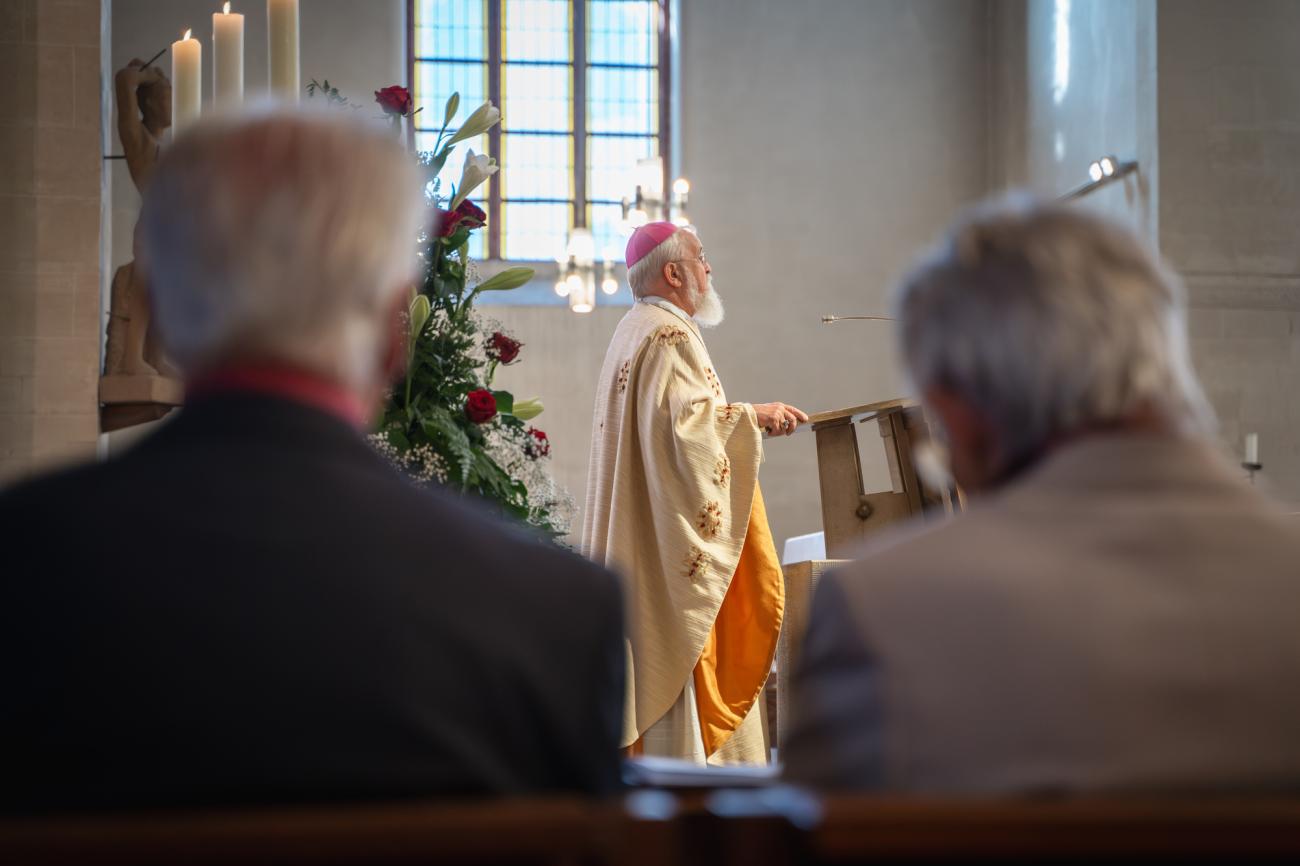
(829, 319)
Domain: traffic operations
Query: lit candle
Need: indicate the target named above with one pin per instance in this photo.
(282, 22)
(187, 82)
(1252, 447)
(227, 58)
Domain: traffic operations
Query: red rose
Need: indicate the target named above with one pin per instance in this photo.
(480, 406)
(537, 445)
(446, 223)
(466, 214)
(395, 100)
(471, 215)
(502, 348)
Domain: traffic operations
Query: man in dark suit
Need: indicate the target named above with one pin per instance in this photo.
(251, 605)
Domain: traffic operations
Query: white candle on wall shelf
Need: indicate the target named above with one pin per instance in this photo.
(282, 45)
(227, 58)
(1252, 447)
(187, 82)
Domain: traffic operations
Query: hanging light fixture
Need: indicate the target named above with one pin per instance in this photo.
(582, 293)
(649, 202)
(677, 208)
(579, 276)
(608, 284)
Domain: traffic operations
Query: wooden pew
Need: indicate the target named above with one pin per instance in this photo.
(860, 831)
(723, 828)
(544, 832)
(844, 830)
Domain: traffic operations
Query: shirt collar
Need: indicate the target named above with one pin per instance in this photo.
(287, 382)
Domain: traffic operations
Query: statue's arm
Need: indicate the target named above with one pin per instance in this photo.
(137, 144)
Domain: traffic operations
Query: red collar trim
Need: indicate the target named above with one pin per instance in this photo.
(290, 383)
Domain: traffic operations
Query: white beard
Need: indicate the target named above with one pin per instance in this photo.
(708, 307)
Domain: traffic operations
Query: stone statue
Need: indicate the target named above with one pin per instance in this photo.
(144, 111)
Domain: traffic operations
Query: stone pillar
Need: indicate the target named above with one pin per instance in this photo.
(50, 193)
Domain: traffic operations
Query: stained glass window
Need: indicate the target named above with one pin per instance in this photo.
(579, 86)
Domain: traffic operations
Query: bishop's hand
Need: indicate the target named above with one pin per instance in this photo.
(779, 419)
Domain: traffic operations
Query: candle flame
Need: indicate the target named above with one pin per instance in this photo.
(225, 10)
(186, 37)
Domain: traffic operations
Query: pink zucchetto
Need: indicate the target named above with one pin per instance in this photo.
(646, 238)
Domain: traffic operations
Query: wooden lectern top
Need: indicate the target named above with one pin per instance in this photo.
(854, 414)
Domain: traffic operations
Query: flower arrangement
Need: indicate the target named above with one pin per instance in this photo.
(444, 422)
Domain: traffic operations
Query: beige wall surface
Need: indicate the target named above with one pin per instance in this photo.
(1230, 211)
(826, 142)
(50, 183)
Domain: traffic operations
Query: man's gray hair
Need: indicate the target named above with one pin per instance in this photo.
(641, 276)
(283, 236)
(1049, 320)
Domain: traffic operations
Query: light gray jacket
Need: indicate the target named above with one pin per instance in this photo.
(1126, 617)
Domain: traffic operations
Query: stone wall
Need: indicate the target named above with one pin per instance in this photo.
(1230, 212)
(50, 195)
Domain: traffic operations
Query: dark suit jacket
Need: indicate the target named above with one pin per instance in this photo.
(251, 605)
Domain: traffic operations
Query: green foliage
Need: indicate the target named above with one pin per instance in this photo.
(425, 414)
(510, 278)
(331, 94)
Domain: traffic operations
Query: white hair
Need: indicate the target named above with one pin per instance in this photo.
(1049, 320)
(281, 236)
(641, 276)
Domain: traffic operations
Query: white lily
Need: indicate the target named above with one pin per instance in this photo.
(484, 118)
(477, 169)
(527, 410)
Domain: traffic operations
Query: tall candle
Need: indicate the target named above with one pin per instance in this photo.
(282, 22)
(227, 58)
(187, 82)
(1252, 447)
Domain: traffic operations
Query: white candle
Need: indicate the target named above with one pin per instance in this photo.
(1252, 447)
(187, 82)
(227, 58)
(282, 23)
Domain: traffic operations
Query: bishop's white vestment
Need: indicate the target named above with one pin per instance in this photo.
(673, 506)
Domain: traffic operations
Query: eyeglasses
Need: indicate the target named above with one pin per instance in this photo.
(700, 258)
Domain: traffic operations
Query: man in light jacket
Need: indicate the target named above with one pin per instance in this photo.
(1116, 611)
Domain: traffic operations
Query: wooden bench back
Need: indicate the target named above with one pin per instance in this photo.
(719, 829)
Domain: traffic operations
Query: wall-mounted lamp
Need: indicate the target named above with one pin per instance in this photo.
(1101, 172)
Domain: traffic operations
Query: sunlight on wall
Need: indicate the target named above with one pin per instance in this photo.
(1060, 50)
